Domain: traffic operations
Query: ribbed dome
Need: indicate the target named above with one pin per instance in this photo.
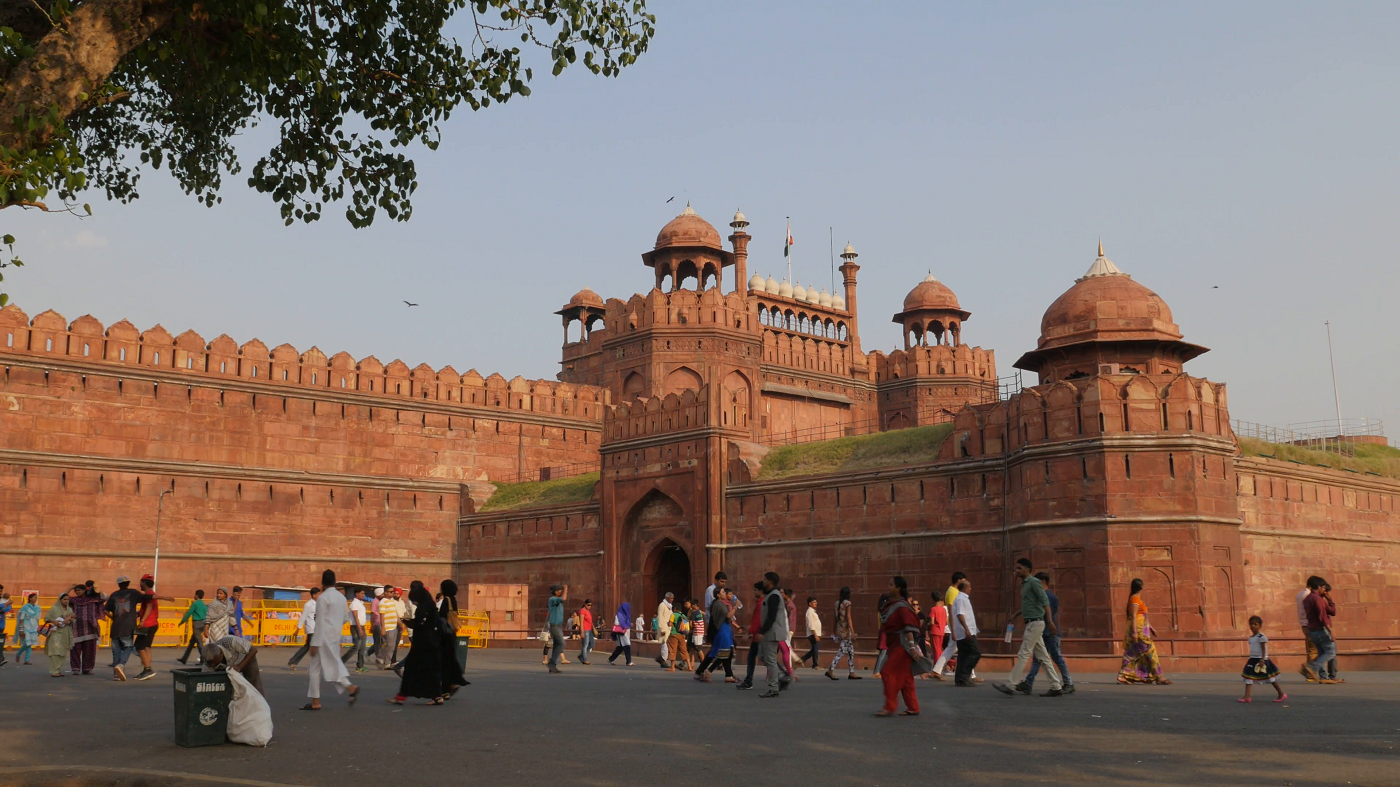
(771, 286)
(931, 294)
(813, 297)
(799, 293)
(1105, 305)
(688, 229)
(837, 302)
(1104, 308)
(757, 284)
(586, 297)
(784, 289)
(825, 298)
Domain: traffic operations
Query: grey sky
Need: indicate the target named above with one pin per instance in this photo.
(1246, 146)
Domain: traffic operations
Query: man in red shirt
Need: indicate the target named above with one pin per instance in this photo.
(755, 624)
(1320, 609)
(147, 622)
(585, 625)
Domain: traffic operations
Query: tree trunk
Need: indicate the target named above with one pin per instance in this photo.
(76, 59)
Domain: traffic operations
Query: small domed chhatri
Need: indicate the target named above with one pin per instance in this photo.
(1107, 323)
(931, 315)
(688, 229)
(586, 297)
(931, 294)
(757, 284)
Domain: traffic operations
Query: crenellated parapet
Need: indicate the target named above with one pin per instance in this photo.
(85, 340)
(657, 415)
(937, 360)
(1122, 405)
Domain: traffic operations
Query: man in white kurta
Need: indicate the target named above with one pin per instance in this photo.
(331, 613)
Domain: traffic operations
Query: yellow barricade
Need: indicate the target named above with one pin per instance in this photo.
(274, 623)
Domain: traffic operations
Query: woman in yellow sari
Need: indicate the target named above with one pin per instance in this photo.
(1140, 664)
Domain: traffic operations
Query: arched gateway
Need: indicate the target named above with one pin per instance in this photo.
(667, 569)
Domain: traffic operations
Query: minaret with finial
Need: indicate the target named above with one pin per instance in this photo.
(740, 241)
(848, 278)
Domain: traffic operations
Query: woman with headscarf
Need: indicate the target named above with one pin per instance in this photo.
(1140, 663)
(59, 624)
(899, 627)
(87, 618)
(721, 634)
(422, 669)
(27, 628)
(622, 627)
(216, 616)
(451, 672)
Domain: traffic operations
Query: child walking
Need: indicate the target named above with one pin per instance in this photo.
(1259, 669)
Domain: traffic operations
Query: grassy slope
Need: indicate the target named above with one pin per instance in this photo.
(851, 454)
(1379, 459)
(542, 493)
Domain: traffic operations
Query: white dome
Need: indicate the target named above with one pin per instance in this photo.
(851, 250)
(771, 286)
(825, 298)
(837, 302)
(814, 297)
(784, 289)
(799, 293)
(757, 284)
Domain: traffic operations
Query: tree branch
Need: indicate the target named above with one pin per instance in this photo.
(70, 62)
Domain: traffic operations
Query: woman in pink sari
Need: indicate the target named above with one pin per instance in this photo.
(1140, 662)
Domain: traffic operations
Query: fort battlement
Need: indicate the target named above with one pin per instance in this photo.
(188, 355)
(960, 361)
(657, 415)
(1122, 404)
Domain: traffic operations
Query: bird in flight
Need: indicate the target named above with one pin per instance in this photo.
(406, 303)
(669, 200)
(1215, 287)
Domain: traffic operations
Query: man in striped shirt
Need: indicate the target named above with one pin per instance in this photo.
(389, 623)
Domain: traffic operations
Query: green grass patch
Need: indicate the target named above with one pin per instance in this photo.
(575, 489)
(851, 454)
(1379, 459)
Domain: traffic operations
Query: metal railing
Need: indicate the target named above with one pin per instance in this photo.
(866, 426)
(552, 473)
(1337, 437)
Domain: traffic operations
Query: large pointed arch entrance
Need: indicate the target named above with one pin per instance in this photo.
(666, 569)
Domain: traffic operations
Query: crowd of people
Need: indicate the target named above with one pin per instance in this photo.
(699, 636)
(939, 643)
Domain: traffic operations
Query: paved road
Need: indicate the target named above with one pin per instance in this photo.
(614, 725)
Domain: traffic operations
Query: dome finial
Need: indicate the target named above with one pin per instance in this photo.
(1102, 266)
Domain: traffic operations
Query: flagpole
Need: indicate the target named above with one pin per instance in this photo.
(787, 242)
(831, 249)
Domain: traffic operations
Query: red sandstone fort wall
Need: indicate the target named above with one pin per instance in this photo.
(274, 471)
(1299, 521)
(535, 547)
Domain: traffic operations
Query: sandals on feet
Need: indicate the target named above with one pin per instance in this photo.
(309, 706)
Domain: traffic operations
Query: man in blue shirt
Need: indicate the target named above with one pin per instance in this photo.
(557, 595)
(235, 626)
(1052, 644)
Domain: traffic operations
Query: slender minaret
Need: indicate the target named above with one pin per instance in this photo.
(848, 277)
(740, 241)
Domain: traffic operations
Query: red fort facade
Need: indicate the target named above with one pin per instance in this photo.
(271, 464)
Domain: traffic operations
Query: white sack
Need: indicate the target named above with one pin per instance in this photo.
(249, 717)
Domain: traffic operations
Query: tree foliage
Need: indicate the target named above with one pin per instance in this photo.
(92, 92)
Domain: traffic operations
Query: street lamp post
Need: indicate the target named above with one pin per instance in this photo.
(160, 504)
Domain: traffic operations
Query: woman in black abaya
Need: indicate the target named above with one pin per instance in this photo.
(451, 672)
(422, 669)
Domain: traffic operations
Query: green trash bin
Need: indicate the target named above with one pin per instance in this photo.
(201, 707)
(463, 642)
